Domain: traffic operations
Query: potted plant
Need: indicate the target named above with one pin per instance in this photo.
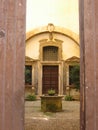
(51, 92)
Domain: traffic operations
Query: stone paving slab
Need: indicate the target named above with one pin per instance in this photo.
(68, 119)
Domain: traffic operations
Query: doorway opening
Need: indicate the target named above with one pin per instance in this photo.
(50, 79)
(52, 51)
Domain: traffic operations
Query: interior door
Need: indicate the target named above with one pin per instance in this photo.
(50, 78)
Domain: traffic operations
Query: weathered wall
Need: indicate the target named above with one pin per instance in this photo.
(69, 47)
(12, 22)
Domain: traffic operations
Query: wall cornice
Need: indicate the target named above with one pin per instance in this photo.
(57, 29)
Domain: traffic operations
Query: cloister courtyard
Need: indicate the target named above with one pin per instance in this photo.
(67, 119)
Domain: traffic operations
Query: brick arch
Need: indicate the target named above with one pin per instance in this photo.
(57, 29)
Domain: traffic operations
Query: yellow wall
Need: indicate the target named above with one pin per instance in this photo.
(62, 13)
(69, 47)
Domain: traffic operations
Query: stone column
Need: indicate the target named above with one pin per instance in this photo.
(60, 78)
(39, 78)
(67, 75)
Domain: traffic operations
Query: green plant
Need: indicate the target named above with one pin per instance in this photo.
(28, 76)
(75, 76)
(51, 91)
(68, 98)
(31, 97)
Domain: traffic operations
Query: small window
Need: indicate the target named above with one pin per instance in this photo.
(50, 53)
(28, 75)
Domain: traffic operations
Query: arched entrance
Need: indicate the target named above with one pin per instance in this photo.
(50, 72)
(52, 52)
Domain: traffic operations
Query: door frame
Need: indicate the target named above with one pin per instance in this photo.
(60, 76)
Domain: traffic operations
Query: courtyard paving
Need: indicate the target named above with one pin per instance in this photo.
(68, 119)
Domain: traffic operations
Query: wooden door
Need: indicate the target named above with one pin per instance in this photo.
(50, 78)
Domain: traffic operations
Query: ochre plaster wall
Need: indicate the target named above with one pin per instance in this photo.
(69, 47)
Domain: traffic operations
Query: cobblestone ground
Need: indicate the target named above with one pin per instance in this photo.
(68, 119)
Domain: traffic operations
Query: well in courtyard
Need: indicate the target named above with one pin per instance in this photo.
(51, 103)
